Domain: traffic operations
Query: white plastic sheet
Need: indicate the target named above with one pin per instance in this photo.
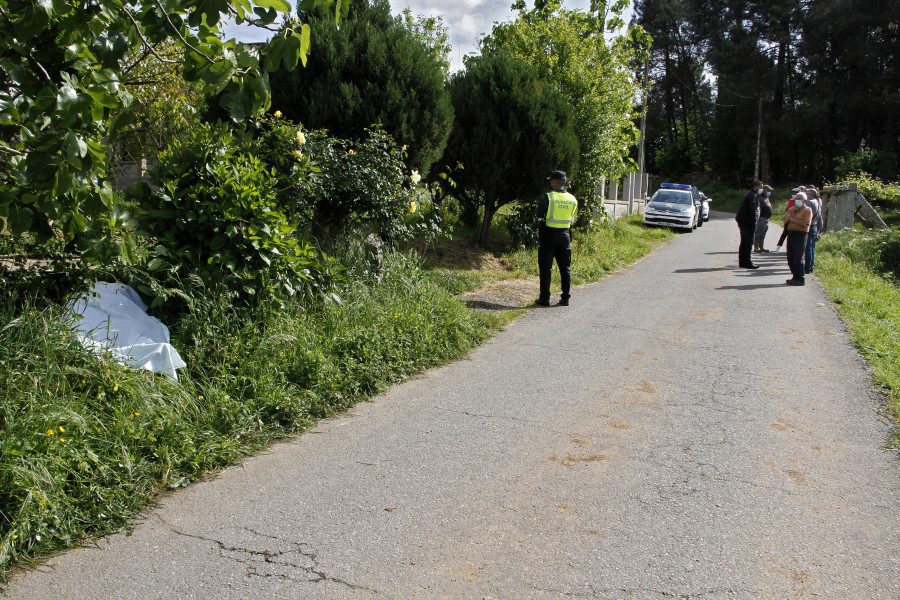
(113, 317)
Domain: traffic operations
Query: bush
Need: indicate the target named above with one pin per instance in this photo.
(363, 186)
(215, 215)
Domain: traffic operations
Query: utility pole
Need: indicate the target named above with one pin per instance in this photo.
(641, 165)
(756, 173)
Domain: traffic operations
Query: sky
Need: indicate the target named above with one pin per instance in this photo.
(466, 20)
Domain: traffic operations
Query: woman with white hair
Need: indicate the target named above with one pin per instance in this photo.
(797, 220)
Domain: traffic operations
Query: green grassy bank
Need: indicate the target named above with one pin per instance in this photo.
(858, 270)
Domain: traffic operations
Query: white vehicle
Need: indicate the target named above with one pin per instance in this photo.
(672, 206)
(705, 200)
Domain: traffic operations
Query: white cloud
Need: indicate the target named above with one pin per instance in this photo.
(467, 20)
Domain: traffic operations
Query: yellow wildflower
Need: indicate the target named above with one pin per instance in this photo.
(413, 207)
(61, 430)
(277, 114)
(116, 388)
(50, 432)
(300, 137)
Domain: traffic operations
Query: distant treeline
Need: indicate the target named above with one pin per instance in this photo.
(820, 76)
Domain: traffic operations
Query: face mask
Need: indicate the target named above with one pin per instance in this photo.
(798, 203)
(760, 192)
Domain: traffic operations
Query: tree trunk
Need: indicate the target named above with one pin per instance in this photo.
(484, 229)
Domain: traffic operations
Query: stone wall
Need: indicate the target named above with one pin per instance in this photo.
(842, 205)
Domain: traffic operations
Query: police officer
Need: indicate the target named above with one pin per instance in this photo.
(556, 210)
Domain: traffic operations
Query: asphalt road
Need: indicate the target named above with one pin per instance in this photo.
(684, 429)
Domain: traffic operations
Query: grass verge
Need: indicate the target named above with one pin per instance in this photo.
(869, 303)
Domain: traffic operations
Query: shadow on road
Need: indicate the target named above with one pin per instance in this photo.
(709, 270)
(482, 305)
(752, 287)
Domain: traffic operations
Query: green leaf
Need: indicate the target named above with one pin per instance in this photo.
(97, 150)
(122, 120)
(19, 219)
(273, 53)
(156, 264)
(75, 145)
(304, 43)
(66, 98)
(107, 196)
(279, 5)
(63, 181)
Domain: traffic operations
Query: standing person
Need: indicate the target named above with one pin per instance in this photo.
(785, 231)
(762, 224)
(556, 210)
(797, 220)
(815, 229)
(746, 217)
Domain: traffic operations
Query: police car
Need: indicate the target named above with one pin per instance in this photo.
(672, 206)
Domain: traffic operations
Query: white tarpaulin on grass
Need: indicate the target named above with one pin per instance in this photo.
(113, 317)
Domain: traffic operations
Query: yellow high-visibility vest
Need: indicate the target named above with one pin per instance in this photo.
(561, 210)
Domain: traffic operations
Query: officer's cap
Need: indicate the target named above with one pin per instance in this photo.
(560, 175)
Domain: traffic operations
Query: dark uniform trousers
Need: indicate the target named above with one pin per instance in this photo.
(555, 244)
(796, 248)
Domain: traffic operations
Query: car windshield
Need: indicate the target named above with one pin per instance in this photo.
(673, 197)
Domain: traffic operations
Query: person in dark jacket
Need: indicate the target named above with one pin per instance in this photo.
(746, 217)
(762, 224)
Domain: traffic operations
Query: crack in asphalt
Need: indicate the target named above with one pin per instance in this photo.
(465, 413)
(278, 558)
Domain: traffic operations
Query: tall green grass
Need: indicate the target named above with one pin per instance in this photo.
(86, 442)
(855, 275)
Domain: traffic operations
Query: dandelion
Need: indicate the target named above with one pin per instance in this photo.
(277, 114)
(300, 137)
(415, 177)
(50, 432)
